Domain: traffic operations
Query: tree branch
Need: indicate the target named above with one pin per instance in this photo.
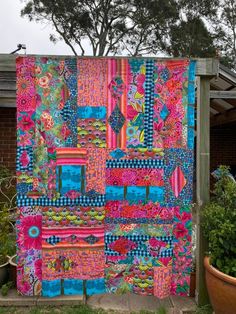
(63, 36)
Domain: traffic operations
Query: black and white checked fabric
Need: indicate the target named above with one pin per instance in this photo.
(165, 253)
(53, 240)
(135, 163)
(110, 238)
(23, 200)
(149, 101)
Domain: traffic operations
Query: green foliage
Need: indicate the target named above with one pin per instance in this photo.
(7, 237)
(79, 309)
(227, 26)
(219, 223)
(4, 172)
(7, 187)
(191, 39)
(109, 25)
(161, 310)
(4, 230)
(6, 287)
(183, 28)
(205, 309)
(7, 200)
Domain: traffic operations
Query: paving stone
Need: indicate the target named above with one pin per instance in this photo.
(148, 303)
(119, 303)
(113, 302)
(183, 304)
(14, 299)
(61, 300)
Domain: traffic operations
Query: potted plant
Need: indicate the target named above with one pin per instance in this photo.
(219, 227)
(4, 233)
(192, 287)
(12, 257)
(7, 219)
(7, 248)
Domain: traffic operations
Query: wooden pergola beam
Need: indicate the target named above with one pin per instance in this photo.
(8, 94)
(204, 66)
(230, 88)
(228, 117)
(8, 102)
(216, 106)
(232, 102)
(216, 94)
(227, 75)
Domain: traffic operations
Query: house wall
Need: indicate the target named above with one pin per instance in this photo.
(223, 147)
(8, 137)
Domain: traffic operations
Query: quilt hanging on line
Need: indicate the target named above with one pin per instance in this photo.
(105, 169)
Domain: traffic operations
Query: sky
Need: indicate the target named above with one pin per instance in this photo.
(16, 30)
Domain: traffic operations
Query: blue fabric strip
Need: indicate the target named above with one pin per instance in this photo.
(191, 84)
(191, 116)
(191, 103)
(156, 193)
(96, 286)
(73, 286)
(114, 193)
(190, 138)
(51, 288)
(136, 193)
(91, 112)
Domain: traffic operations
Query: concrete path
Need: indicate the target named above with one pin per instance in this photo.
(126, 303)
(130, 302)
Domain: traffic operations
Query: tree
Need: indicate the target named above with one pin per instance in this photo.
(138, 26)
(183, 28)
(191, 38)
(227, 25)
(152, 21)
(219, 18)
(199, 8)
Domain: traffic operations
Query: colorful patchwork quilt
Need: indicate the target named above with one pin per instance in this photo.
(105, 170)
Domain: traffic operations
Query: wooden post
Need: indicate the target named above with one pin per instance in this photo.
(203, 178)
(84, 292)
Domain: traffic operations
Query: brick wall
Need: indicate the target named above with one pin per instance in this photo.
(8, 137)
(223, 146)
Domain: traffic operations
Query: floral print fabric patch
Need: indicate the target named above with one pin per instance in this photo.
(105, 169)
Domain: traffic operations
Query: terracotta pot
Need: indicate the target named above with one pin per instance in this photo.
(12, 269)
(221, 289)
(3, 273)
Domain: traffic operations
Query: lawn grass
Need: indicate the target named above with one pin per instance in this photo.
(78, 309)
(161, 310)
